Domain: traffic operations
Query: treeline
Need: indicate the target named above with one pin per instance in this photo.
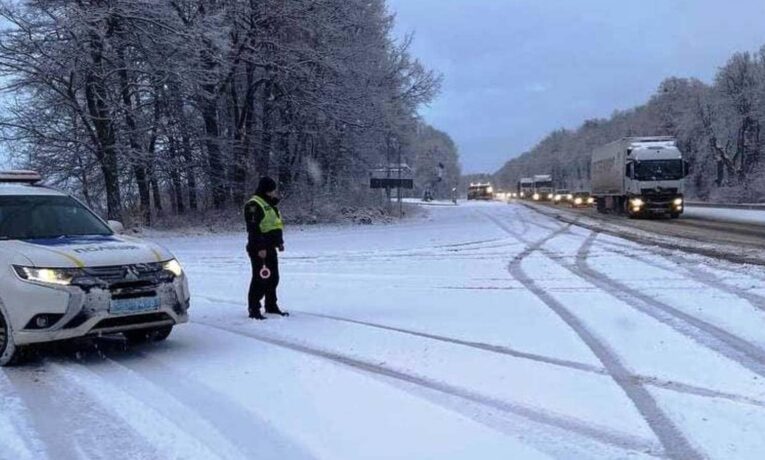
(178, 105)
(718, 127)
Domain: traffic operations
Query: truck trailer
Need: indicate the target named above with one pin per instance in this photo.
(639, 176)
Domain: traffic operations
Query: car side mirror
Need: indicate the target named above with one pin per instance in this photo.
(116, 226)
(686, 168)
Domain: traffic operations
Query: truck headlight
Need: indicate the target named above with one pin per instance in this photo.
(590, 200)
(678, 202)
(535, 197)
(57, 276)
(637, 203)
(174, 267)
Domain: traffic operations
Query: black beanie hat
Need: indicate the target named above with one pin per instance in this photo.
(266, 185)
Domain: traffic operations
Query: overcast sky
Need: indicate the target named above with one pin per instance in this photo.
(516, 69)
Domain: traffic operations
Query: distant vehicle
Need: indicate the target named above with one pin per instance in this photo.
(562, 196)
(66, 273)
(582, 200)
(639, 176)
(543, 188)
(481, 191)
(526, 187)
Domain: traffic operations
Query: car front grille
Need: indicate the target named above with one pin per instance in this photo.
(125, 273)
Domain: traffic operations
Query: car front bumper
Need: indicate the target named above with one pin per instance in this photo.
(88, 313)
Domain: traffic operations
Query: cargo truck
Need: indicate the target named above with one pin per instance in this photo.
(639, 176)
(543, 188)
(526, 187)
(481, 191)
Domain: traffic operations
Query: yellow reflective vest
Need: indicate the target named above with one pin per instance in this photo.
(272, 221)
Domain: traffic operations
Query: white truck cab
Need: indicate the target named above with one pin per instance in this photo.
(66, 273)
(639, 176)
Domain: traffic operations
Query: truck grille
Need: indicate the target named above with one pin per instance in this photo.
(658, 191)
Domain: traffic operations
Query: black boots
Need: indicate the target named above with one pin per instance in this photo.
(255, 314)
(275, 310)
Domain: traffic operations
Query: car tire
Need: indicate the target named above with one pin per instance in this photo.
(10, 354)
(674, 215)
(148, 335)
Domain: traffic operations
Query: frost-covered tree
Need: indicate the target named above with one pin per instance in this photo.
(133, 103)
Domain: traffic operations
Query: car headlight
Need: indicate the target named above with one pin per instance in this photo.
(590, 200)
(637, 202)
(678, 201)
(578, 201)
(569, 197)
(174, 267)
(536, 196)
(57, 276)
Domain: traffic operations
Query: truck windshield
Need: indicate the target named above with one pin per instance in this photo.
(659, 170)
(544, 184)
(42, 217)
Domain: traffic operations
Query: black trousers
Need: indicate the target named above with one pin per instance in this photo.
(259, 287)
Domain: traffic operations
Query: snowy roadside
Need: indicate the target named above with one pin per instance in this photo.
(743, 216)
(227, 224)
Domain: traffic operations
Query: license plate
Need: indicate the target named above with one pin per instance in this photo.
(134, 305)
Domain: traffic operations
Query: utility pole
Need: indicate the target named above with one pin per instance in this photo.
(400, 204)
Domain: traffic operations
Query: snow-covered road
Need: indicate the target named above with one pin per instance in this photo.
(482, 331)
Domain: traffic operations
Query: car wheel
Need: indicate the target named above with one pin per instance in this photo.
(9, 352)
(674, 215)
(148, 335)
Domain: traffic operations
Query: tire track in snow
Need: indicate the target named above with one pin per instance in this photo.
(244, 430)
(713, 337)
(745, 353)
(671, 437)
(697, 274)
(167, 436)
(702, 332)
(70, 425)
(18, 437)
(652, 381)
(600, 434)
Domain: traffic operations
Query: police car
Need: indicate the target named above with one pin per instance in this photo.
(65, 273)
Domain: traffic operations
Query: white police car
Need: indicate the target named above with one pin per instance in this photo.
(65, 273)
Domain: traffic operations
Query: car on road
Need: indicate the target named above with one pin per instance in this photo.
(562, 196)
(65, 273)
(582, 200)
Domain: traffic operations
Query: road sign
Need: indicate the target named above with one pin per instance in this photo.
(378, 183)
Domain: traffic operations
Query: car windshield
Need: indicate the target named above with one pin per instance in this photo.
(544, 184)
(40, 217)
(659, 170)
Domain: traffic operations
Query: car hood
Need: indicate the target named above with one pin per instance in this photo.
(89, 251)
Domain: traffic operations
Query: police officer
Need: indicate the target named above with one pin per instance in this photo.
(264, 238)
